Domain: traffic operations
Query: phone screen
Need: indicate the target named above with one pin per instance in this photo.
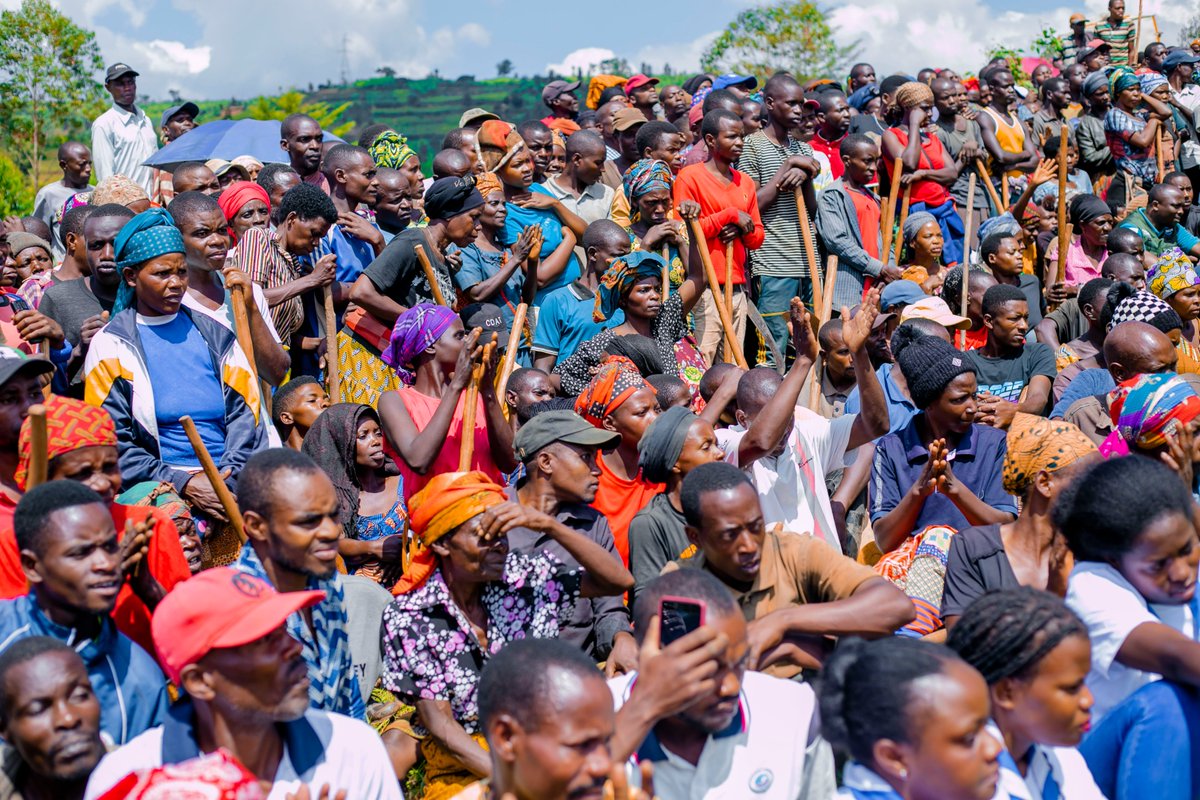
(678, 618)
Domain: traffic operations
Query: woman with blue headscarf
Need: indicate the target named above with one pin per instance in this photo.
(633, 284)
(156, 361)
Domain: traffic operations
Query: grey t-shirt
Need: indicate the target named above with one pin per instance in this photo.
(365, 602)
(70, 304)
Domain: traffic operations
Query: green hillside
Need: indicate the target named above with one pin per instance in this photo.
(423, 110)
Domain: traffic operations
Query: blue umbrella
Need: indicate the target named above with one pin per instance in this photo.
(227, 139)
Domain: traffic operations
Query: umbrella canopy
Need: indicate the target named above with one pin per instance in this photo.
(227, 139)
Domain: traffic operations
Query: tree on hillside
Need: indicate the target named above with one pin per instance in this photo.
(1191, 28)
(386, 71)
(293, 103)
(791, 35)
(504, 68)
(47, 88)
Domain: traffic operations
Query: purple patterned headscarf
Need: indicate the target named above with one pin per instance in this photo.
(417, 328)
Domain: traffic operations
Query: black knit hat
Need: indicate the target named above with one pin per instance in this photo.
(929, 364)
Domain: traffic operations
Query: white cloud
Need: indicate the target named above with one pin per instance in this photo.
(913, 34)
(172, 58)
(265, 48)
(585, 58)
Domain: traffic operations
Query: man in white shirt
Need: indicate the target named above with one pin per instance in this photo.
(788, 450)
(745, 735)
(123, 137)
(222, 639)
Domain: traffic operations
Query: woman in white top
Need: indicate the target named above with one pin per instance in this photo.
(1130, 523)
(913, 716)
(1034, 654)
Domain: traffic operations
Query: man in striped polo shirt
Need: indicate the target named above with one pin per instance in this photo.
(1119, 34)
(779, 166)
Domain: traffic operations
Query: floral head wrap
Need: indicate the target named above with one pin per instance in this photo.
(645, 176)
(1037, 444)
(619, 278)
(1172, 273)
(390, 149)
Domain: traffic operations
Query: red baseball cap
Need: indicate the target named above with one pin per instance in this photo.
(637, 82)
(219, 607)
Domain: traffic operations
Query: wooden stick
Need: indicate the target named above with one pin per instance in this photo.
(1063, 229)
(214, 477)
(889, 216)
(903, 218)
(1137, 35)
(987, 183)
(466, 447)
(241, 326)
(514, 344)
(966, 263)
(331, 348)
(1004, 196)
(710, 274)
(831, 270)
(1158, 153)
(814, 385)
(729, 275)
(430, 275)
(36, 475)
(810, 246)
(1059, 266)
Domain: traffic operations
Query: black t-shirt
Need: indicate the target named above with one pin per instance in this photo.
(656, 538)
(977, 564)
(397, 272)
(1006, 377)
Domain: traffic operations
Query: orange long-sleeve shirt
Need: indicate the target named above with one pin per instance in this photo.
(720, 203)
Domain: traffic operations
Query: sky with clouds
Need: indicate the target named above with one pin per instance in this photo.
(211, 49)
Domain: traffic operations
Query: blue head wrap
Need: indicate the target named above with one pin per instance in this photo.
(148, 235)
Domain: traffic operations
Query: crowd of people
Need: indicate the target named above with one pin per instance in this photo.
(729, 439)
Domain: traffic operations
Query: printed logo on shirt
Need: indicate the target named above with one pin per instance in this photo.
(761, 781)
(1009, 390)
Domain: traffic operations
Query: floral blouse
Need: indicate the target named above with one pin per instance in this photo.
(668, 329)
(430, 651)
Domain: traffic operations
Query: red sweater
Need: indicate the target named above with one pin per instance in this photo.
(720, 203)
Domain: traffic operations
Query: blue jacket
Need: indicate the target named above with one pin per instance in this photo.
(128, 683)
(117, 378)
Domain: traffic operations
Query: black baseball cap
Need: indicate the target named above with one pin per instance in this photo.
(487, 316)
(13, 362)
(549, 427)
(119, 70)
(189, 108)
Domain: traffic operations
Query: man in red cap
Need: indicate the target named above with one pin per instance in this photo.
(222, 639)
(642, 92)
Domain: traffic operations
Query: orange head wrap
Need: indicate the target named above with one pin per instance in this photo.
(615, 381)
(446, 502)
(487, 182)
(70, 425)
